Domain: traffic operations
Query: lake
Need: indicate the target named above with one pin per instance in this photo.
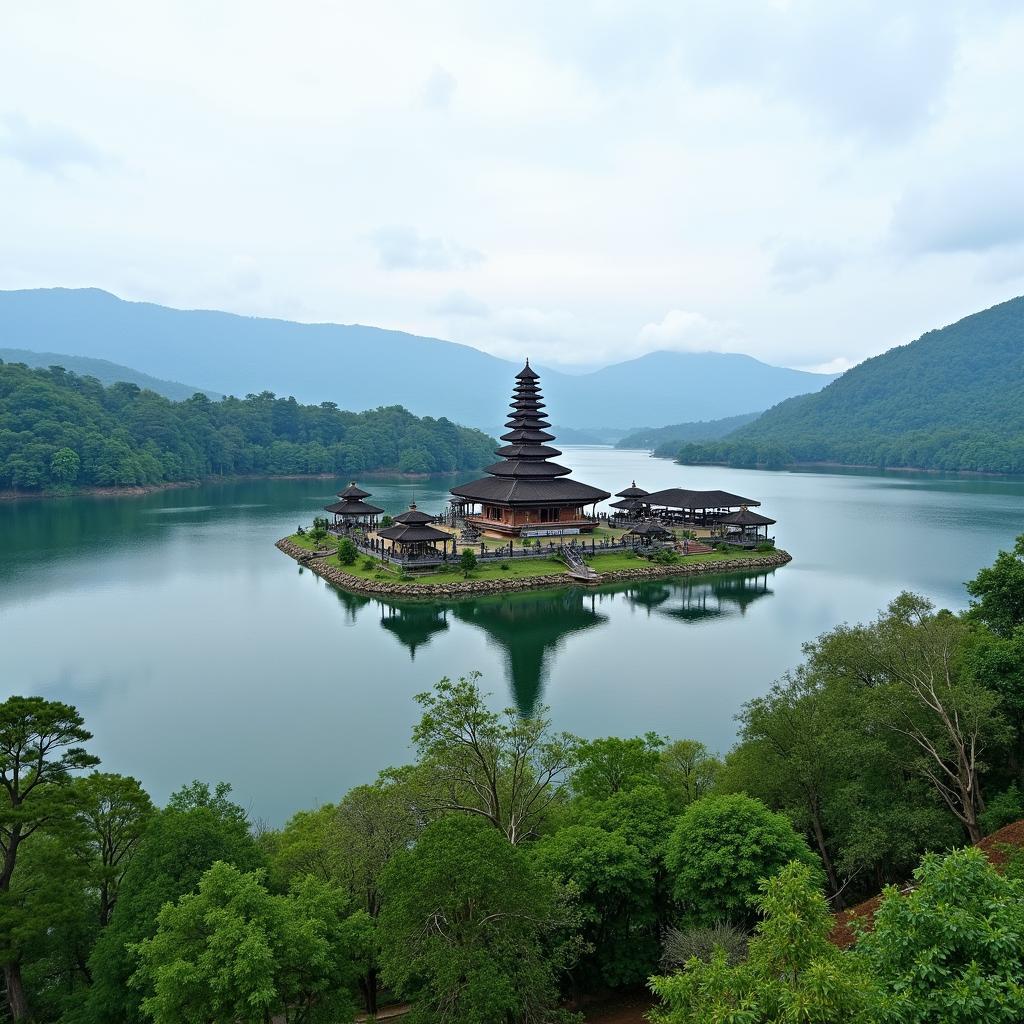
(195, 649)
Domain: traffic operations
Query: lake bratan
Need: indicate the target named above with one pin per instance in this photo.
(195, 649)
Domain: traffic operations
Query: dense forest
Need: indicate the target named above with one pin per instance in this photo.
(59, 430)
(680, 433)
(512, 868)
(952, 400)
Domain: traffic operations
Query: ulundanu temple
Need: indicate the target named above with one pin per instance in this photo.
(526, 494)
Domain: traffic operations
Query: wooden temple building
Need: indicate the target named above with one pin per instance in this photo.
(526, 494)
(412, 535)
(352, 510)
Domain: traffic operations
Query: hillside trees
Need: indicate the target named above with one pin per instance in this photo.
(58, 429)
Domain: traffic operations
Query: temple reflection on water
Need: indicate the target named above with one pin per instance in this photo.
(531, 627)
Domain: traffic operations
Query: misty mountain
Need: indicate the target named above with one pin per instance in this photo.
(104, 371)
(680, 433)
(361, 367)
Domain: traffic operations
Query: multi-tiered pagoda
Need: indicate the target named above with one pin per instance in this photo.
(526, 494)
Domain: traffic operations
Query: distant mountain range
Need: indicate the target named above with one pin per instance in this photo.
(953, 400)
(104, 371)
(365, 367)
(679, 433)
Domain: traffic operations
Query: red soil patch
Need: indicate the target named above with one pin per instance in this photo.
(992, 846)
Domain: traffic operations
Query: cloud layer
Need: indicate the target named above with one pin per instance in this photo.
(810, 183)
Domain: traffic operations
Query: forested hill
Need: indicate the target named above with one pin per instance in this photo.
(104, 371)
(953, 400)
(57, 428)
(680, 433)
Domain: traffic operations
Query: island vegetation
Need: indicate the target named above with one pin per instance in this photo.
(513, 868)
(60, 431)
(676, 434)
(952, 400)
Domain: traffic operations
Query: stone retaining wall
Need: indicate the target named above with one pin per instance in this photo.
(340, 578)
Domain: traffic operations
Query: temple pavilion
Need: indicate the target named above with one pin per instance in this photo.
(632, 503)
(526, 494)
(352, 510)
(412, 535)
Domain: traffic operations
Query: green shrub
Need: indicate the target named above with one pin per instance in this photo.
(720, 851)
(386, 521)
(765, 546)
(504, 565)
(367, 564)
(347, 552)
(467, 562)
(1003, 808)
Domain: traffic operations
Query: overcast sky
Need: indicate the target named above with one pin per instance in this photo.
(809, 182)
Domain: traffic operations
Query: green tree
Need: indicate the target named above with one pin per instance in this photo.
(687, 770)
(350, 844)
(998, 592)
(40, 749)
(792, 972)
(467, 561)
(504, 768)
(952, 949)
(64, 465)
(468, 928)
(911, 661)
(614, 887)
(607, 766)
(347, 552)
(719, 852)
(197, 827)
(233, 953)
(114, 811)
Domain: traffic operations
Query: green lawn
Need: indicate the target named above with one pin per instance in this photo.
(518, 568)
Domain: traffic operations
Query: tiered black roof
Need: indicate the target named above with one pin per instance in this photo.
(525, 476)
(632, 492)
(352, 503)
(413, 525)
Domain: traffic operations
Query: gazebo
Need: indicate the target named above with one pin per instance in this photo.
(352, 510)
(413, 537)
(632, 504)
(750, 527)
(649, 531)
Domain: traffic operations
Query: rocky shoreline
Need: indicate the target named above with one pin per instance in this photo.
(339, 578)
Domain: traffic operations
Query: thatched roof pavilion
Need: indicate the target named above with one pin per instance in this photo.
(749, 524)
(701, 508)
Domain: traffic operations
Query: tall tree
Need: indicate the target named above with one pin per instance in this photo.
(114, 810)
(40, 749)
(469, 929)
(198, 827)
(503, 768)
(911, 658)
(687, 770)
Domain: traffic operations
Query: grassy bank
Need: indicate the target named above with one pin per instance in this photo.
(368, 568)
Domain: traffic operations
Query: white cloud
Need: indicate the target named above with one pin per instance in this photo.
(683, 331)
(404, 248)
(794, 179)
(438, 89)
(46, 147)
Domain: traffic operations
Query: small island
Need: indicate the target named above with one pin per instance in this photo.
(526, 525)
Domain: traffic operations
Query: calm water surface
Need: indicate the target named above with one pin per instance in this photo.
(196, 650)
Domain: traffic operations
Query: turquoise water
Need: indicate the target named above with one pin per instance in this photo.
(196, 650)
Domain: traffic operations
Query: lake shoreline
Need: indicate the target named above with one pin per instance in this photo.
(140, 490)
(796, 466)
(346, 581)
